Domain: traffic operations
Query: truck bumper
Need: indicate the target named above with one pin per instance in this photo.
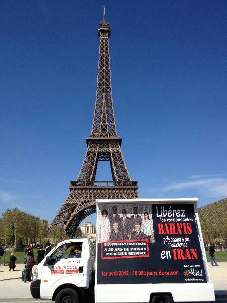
(35, 289)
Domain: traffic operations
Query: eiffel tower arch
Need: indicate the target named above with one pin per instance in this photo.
(103, 144)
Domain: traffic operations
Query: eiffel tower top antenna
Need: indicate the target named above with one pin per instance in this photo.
(104, 12)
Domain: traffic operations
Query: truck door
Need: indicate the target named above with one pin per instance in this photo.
(63, 263)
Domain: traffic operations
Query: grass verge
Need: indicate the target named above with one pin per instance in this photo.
(20, 255)
(221, 256)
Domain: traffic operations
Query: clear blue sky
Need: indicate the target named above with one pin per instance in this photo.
(169, 72)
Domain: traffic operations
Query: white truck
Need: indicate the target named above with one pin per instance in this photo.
(147, 250)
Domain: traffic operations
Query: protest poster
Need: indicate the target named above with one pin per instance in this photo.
(148, 243)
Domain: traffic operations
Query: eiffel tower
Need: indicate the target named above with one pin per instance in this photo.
(103, 144)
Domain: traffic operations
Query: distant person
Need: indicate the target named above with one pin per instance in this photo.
(212, 255)
(12, 262)
(29, 263)
(47, 248)
(40, 255)
(2, 251)
(104, 227)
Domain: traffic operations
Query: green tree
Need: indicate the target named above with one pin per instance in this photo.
(56, 234)
(19, 227)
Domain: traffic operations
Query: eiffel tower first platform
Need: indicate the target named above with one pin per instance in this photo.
(103, 144)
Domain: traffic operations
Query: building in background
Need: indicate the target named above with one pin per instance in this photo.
(88, 230)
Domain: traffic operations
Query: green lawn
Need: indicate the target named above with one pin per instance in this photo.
(19, 254)
(221, 256)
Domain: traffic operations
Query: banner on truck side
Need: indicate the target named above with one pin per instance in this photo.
(149, 243)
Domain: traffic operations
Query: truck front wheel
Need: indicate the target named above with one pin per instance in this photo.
(161, 299)
(67, 295)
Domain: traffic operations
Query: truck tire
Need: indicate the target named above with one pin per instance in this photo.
(162, 298)
(67, 295)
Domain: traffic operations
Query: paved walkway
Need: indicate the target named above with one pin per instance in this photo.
(12, 286)
(5, 274)
(218, 275)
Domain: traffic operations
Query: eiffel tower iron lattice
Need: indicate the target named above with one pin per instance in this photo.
(103, 144)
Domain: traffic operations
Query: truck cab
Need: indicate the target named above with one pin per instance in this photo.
(65, 274)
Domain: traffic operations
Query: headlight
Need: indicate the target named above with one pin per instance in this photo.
(35, 273)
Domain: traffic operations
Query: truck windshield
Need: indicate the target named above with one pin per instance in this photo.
(68, 250)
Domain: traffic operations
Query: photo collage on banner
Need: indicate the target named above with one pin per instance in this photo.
(148, 243)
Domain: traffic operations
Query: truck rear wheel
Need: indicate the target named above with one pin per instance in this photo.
(67, 295)
(162, 298)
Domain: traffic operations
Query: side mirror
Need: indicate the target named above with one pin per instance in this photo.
(50, 261)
